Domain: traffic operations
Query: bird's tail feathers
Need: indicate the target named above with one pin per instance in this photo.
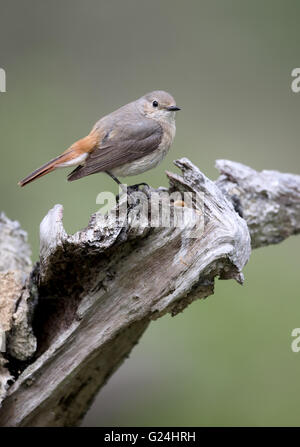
(43, 170)
(80, 147)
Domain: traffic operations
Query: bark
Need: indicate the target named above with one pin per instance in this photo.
(94, 293)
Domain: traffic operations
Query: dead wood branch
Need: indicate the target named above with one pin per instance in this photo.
(95, 292)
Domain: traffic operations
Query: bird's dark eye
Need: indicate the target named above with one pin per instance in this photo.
(155, 104)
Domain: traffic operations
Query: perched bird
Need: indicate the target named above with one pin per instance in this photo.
(129, 141)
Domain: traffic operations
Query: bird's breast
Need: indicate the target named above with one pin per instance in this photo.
(169, 130)
(151, 160)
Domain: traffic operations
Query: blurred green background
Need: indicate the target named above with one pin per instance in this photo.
(226, 360)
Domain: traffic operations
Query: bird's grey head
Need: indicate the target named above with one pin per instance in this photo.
(158, 105)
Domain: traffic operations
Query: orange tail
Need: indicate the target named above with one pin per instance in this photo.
(82, 146)
(43, 170)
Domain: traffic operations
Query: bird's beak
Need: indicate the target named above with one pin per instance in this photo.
(173, 108)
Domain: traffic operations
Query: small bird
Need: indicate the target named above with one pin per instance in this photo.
(129, 141)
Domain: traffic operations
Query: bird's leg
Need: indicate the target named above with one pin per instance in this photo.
(113, 177)
(131, 188)
(124, 189)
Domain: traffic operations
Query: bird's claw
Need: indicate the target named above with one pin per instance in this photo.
(133, 189)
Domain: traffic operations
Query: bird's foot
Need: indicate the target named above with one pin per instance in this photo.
(130, 190)
(136, 187)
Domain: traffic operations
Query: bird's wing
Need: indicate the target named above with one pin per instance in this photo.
(127, 140)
